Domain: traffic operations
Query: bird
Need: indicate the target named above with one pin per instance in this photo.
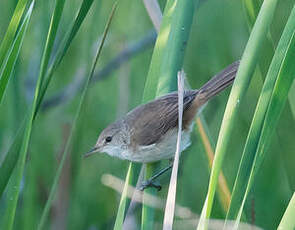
(148, 133)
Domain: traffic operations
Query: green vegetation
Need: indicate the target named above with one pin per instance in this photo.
(56, 96)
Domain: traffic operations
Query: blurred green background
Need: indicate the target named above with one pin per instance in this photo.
(218, 37)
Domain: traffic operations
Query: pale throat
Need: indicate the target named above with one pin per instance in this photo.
(114, 151)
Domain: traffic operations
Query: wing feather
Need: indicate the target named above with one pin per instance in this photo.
(151, 121)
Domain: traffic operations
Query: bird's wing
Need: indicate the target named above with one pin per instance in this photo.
(151, 121)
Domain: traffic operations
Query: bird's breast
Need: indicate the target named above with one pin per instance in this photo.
(164, 149)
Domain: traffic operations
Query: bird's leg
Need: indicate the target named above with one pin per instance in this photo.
(151, 183)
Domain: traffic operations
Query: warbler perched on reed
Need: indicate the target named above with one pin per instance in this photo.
(148, 133)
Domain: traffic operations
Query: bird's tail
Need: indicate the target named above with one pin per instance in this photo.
(219, 82)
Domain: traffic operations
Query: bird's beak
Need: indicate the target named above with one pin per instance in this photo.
(92, 151)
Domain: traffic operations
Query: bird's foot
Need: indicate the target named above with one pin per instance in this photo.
(150, 183)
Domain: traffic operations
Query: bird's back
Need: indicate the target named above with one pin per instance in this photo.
(150, 122)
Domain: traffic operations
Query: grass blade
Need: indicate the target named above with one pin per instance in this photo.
(166, 61)
(239, 88)
(288, 220)
(130, 179)
(249, 152)
(78, 112)
(13, 54)
(123, 201)
(157, 63)
(11, 30)
(251, 11)
(170, 202)
(11, 157)
(150, 92)
(222, 190)
(55, 20)
(83, 11)
(10, 212)
(154, 12)
(151, 83)
(278, 99)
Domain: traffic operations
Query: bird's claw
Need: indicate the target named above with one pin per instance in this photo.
(150, 183)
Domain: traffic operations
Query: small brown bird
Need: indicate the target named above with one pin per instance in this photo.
(148, 133)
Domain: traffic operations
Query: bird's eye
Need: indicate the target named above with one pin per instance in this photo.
(108, 139)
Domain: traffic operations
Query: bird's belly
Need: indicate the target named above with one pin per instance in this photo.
(165, 149)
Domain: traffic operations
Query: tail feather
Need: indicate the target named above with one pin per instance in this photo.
(219, 82)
